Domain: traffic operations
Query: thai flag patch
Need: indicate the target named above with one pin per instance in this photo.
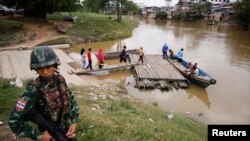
(21, 104)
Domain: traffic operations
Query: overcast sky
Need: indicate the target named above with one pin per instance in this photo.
(156, 2)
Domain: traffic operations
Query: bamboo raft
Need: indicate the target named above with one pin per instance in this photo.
(157, 73)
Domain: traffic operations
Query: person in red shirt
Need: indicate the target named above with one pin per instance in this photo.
(100, 57)
(89, 59)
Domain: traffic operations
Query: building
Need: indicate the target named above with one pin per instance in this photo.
(212, 1)
(223, 1)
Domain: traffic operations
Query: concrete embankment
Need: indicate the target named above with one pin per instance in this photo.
(15, 64)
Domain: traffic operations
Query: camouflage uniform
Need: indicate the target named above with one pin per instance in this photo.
(55, 102)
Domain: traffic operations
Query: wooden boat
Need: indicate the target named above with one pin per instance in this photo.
(113, 55)
(202, 79)
(107, 70)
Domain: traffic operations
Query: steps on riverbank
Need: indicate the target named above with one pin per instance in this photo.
(16, 64)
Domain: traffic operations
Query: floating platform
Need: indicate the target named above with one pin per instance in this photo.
(157, 73)
(155, 68)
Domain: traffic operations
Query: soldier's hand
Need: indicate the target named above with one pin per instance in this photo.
(46, 137)
(72, 130)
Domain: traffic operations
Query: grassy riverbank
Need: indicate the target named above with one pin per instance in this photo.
(89, 27)
(10, 31)
(96, 27)
(109, 113)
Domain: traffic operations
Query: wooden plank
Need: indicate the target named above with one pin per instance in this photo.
(113, 68)
(155, 68)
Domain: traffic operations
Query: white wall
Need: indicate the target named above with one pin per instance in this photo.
(222, 1)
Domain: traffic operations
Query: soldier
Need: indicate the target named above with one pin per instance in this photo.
(49, 95)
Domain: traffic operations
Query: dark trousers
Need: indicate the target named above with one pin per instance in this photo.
(140, 59)
(165, 55)
(123, 58)
(89, 65)
(101, 65)
(180, 60)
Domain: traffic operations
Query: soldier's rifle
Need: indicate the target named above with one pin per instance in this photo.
(56, 132)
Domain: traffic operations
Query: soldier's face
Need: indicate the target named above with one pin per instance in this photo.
(46, 72)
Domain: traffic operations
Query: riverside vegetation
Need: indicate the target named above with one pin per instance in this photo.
(89, 27)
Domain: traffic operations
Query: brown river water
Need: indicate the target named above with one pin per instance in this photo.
(223, 52)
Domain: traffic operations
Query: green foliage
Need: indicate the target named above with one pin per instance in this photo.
(8, 96)
(94, 5)
(204, 7)
(62, 40)
(118, 7)
(10, 32)
(242, 13)
(161, 15)
(96, 27)
(130, 8)
(6, 25)
(39, 8)
(177, 16)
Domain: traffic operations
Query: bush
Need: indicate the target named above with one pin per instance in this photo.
(161, 15)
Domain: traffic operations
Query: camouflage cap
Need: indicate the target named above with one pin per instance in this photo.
(43, 56)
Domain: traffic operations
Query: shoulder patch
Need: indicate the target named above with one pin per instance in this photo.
(21, 103)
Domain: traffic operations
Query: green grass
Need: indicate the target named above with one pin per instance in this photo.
(111, 114)
(96, 27)
(8, 96)
(89, 27)
(10, 31)
(61, 40)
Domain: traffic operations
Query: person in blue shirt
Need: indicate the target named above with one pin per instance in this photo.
(180, 56)
(165, 51)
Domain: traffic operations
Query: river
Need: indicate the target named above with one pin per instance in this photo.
(221, 51)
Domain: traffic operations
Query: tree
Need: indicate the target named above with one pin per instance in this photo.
(242, 13)
(39, 8)
(95, 5)
(118, 7)
(202, 7)
(130, 7)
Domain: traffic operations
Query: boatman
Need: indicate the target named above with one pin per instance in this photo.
(165, 51)
(47, 95)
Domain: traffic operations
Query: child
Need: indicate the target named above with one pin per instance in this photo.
(141, 54)
(90, 59)
(83, 58)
